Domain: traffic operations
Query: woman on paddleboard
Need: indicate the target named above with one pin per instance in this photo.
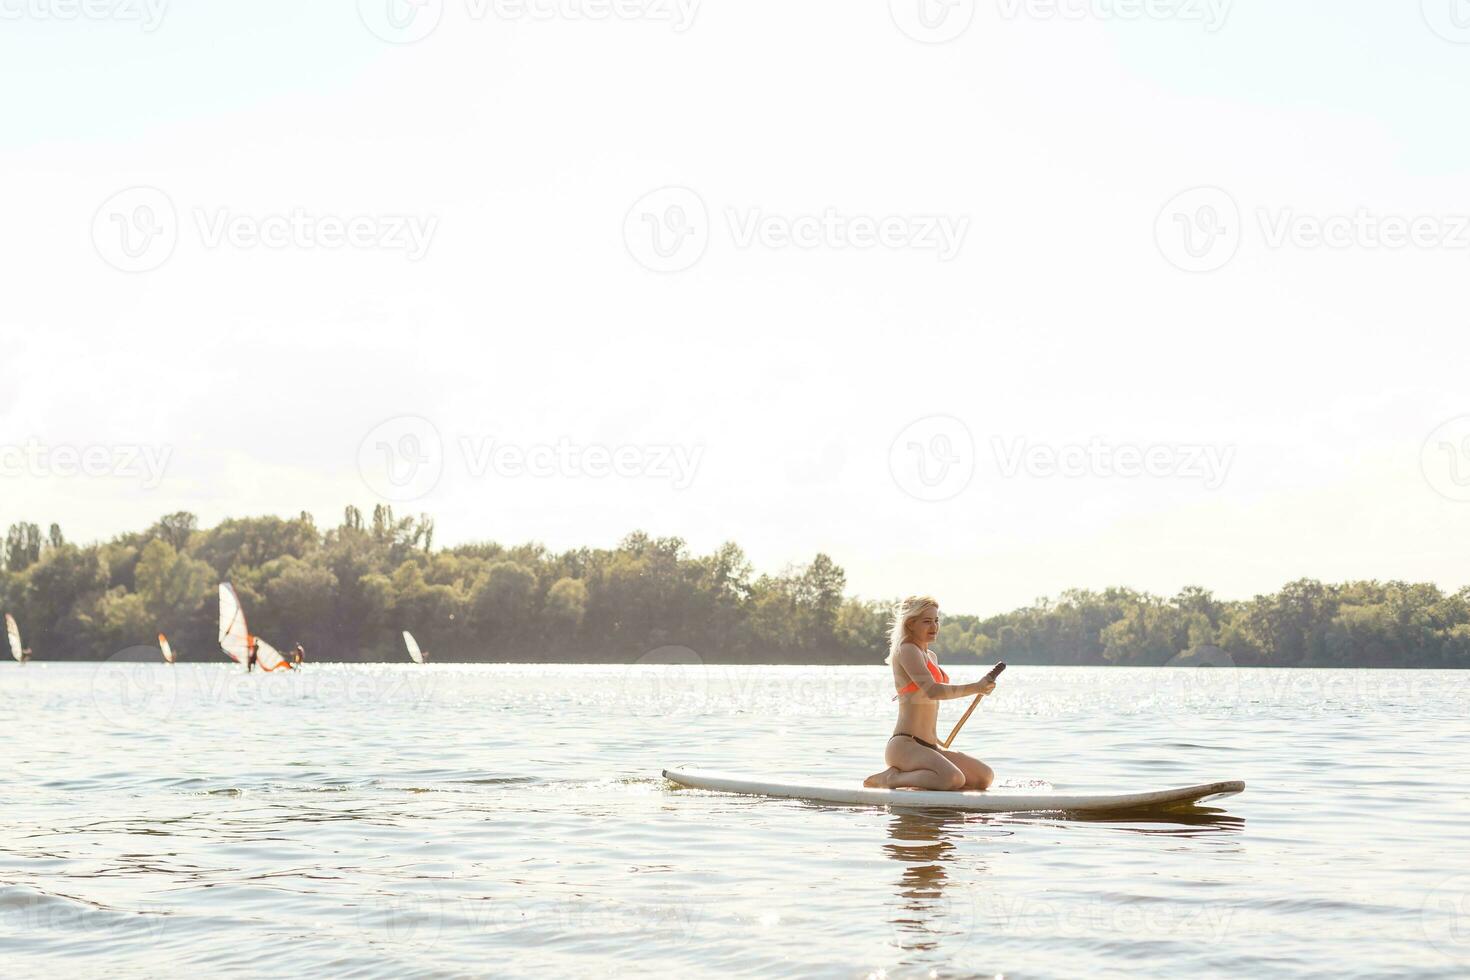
(915, 759)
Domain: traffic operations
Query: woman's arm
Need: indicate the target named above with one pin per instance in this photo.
(949, 692)
(912, 660)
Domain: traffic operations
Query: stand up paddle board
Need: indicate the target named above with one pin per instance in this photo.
(989, 801)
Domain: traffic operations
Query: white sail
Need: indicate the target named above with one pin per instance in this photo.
(413, 647)
(234, 637)
(168, 651)
(268, 657)
(13, 631)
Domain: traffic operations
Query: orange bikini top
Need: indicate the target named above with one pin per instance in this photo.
(935, 671)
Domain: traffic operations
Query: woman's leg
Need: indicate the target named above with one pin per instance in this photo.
(879, 780)
(912, 766)
(977, 774)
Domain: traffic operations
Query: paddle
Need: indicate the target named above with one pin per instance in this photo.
(994, 673)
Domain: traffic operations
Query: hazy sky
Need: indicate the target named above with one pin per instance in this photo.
(985, 300)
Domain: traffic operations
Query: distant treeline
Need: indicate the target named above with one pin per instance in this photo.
(347, 592)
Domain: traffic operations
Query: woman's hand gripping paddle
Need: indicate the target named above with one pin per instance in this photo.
(994, 673)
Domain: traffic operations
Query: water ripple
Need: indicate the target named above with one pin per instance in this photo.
(391, 821)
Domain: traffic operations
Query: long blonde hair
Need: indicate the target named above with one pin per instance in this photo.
(905, 613)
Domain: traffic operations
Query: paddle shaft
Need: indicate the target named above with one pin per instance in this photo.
(994, 673)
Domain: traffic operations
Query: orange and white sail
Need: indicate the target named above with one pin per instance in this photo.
(13, 632)
(234, 635)
(168, 651)
(413, 647)
(268, 657)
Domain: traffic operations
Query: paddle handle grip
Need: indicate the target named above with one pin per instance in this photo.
(994, 673)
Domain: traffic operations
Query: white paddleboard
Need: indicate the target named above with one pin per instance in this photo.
(990, 801)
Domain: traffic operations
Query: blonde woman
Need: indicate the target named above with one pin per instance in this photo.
(915, 760)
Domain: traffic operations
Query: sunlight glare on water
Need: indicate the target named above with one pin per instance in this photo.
(393, 820)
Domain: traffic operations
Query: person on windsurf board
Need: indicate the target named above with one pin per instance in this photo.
(238, 643)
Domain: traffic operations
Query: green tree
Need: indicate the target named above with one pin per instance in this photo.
(122, 621)
(818, 593)
(22, 546)
(63, 592)
(176, 529)
(171, 586)
(501, 604)
(566, 605)
(300, 598)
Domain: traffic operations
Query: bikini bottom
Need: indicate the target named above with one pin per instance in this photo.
(927, 745)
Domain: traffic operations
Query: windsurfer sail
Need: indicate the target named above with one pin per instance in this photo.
(13, 632)
(413, 647)
(268, 657)
(235, 639)
(168, 651)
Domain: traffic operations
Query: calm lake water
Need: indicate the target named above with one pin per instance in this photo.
(510, 820)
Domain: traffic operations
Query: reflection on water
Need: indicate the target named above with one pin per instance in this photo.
(930, 910)
(924, 842)
(1195, 821)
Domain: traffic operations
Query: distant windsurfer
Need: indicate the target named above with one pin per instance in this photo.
(25, 656)
(253, 655)
(915, 759)
(298, 655)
